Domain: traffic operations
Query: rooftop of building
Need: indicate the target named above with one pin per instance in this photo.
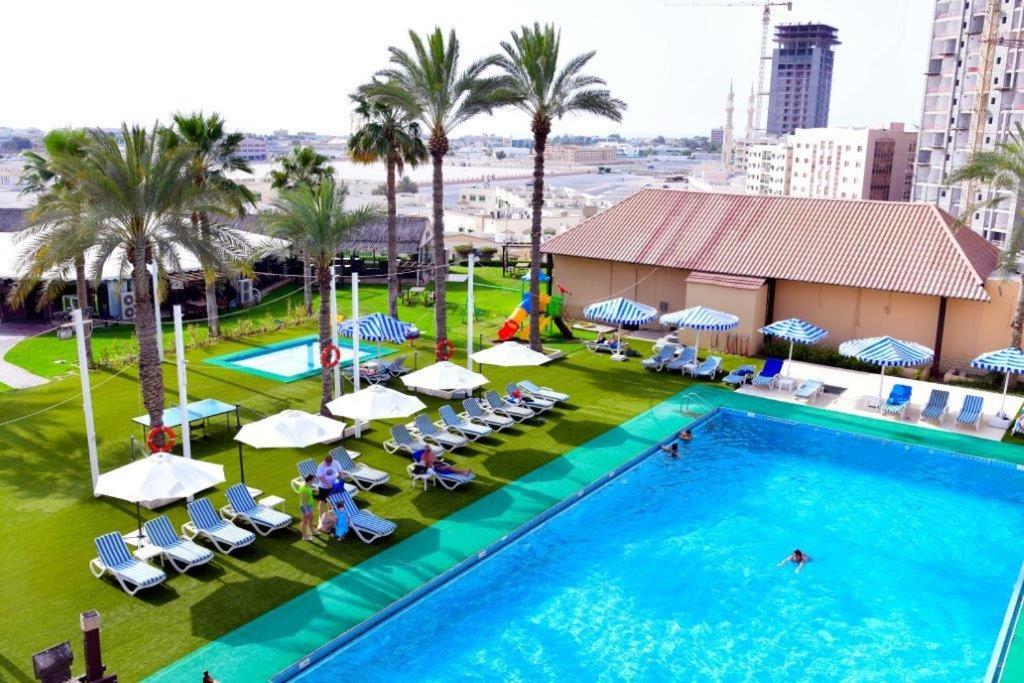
(808, 31)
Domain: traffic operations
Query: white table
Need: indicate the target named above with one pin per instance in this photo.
(999, 422)
(273, 502)
(148, 552)
(787, 383)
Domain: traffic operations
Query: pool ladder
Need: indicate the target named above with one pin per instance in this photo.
(702, 405)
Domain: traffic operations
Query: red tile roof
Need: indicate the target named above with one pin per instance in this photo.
(890, 246)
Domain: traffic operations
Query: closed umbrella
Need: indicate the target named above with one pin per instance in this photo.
(288, 429)
(1009, 361)
(444, 376)
(794, 330)
(886, 352)
(375, 402)
(619, 312)
(509, 354)
(378, 328)
(701, 319)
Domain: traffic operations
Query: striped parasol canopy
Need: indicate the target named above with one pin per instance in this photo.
(1008, 360)
(887, 353)
(794, 330)
(377, 327)
(701, 318)
(620, 311)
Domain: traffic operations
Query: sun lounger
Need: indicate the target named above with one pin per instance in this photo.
(502, 407)
(433, 434)
(709, 368)
(181, 553)
(809, 389)
(308, 466)
(366, 525)
(613, 346)
(544, 392)
(204, 523)
(739, 376)
(938, 404)
(970, 412)
(477, 413)
(525, 398)
(770, 373)
(361, 474)
(132, 574)
(1018, 426)
(395, 367)
(899, 399)
(686, 359)
(658, 361)
(402, 440)
(471, 430)
(451, 480)
(264, 520)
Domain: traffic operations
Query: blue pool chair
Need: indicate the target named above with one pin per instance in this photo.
(433, 434)
(709, 368)
(367, 526)
(498, 405)
(402, 440)
(769, 375)
(686, 360)
(525, 398)
(204, 523)
(308, 466)
(809, 389)
(475, 412)
(361, 474)
(181, 553)
(936, 407)
(451, 480)
(658, 361)
(739, 376)
(460, 425)
(544, 392)
(899, 399)
(970, 412)
(132, 574)
(241, 506)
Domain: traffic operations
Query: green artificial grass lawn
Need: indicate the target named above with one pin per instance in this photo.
(50, 517)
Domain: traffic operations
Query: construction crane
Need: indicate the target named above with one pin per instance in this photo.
(979, 117)
(766, 25)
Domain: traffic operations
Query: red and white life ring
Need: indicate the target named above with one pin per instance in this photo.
(444, 350)
(330, 356)
(168, 440)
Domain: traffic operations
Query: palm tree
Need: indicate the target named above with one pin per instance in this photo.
(429, 86)
(214, 153)
(316, 218)
(42, 178)
(1002, 170)
(390, 135)
(304, 166)
(546, 90)
(135, 205)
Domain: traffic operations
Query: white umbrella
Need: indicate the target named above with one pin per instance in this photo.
(287, 429)
(444, 376)
(510, 354)
(376, 402)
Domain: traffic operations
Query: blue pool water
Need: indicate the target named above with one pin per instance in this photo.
(291, 360)
(669, 572)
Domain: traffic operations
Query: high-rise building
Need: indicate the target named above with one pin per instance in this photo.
(801, 85)
(970, 39)
(717, 136)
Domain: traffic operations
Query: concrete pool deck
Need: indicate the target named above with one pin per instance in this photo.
(289, 632)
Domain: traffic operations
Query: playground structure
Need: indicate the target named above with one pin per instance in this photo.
(517, 326)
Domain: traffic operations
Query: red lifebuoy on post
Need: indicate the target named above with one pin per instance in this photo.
(444, 350)
(330, 356)
(168, 440)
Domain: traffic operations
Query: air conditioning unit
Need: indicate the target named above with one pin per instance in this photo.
(68, 302)
(245, 297)
(128, 306)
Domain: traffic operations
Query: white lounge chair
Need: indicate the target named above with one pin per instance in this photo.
(810, 389)
(362, 475)
(470, 430)
(132, 574)
(502, 407)
(402, 440)
(544, 392)
(442, 438)
(308, 466)
(367, 526)
(525, 398)
(264, 520)
(183, 554)
(477, 413)
(204, 523)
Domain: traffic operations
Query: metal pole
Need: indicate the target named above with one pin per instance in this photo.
(241, 463)
(881, 382)
(789, 365)
(156, 307)
(355, 341)
(1006, 386)
(179, 360)
(83, 373)
(470, 312)
(334, 332)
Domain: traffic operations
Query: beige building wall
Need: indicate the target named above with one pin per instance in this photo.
(749, 304)
(973, 328)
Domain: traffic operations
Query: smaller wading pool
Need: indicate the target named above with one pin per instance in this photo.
(290, 360)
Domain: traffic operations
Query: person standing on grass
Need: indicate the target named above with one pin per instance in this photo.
(306, 507)
(327, 478)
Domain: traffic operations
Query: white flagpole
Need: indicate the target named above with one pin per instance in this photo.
(1006, 386)
(83, 373)
(789, 365)
(156, 307)
(334, 332)
(179, 361)
(470, 311)
(355, 340)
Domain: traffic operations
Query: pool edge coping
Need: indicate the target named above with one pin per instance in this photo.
(1004, 640)
(227, 360)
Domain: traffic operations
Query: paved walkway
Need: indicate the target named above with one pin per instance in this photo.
(12, 375)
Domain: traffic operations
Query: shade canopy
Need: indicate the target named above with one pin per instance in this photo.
(795, 330)
(701, 318)
(158, 477)
(620, 311)
(377, 327)
(887, 352)
(444, 376)
(1009, 360)
(376, 402)
(510, 354)
(290, 429)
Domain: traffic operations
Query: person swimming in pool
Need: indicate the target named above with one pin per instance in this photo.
(797, 557)
(686, 435)
(672, 450)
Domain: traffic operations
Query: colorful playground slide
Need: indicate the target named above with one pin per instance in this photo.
(518, 324)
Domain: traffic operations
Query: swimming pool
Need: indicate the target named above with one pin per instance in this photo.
(291, 360)
(669, 571)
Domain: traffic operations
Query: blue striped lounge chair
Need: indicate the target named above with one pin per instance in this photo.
(899, 399)
(739, 376)
(525, 398)
(498, 405)
(433, 434)
(686, 359)
(658, 361)
(181, 553)
(709, 368)
(367, 526)
(970, 412)
(451, 480)
(241, 506)
(809, 389)
(132, 574)
(769, 375)
(308, 466)
(204, 523)
(361, 474)
(460, 425)
(397, 366)
(1018, 426)
(475, 412)
(402, 440)
(936, 407)
(543, 392)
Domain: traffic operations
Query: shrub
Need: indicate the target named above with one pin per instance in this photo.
(818, 354)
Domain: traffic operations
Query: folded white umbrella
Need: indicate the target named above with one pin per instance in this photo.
(290, 429)
(444, 376)
(509, 354)
(376, 402)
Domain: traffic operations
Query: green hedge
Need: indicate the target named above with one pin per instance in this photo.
(820, 355)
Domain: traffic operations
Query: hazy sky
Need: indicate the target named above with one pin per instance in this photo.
(268, 65)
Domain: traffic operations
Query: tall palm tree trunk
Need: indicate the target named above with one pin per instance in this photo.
(1017, 324)
(541, 126)
(307, 283)
(82, 294)
(323, 283)
(151, 377)
(392, 242)
(212, 313)
(438, 148)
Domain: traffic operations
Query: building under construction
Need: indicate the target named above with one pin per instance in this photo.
(973, 99)
(801, 85)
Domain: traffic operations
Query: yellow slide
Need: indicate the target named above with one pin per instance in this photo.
(524, 331)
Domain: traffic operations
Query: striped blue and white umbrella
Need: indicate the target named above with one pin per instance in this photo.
(1008, 360)
(887, 352)
(620, 312)
(377, 327)
(700, 318)
(794, 330)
